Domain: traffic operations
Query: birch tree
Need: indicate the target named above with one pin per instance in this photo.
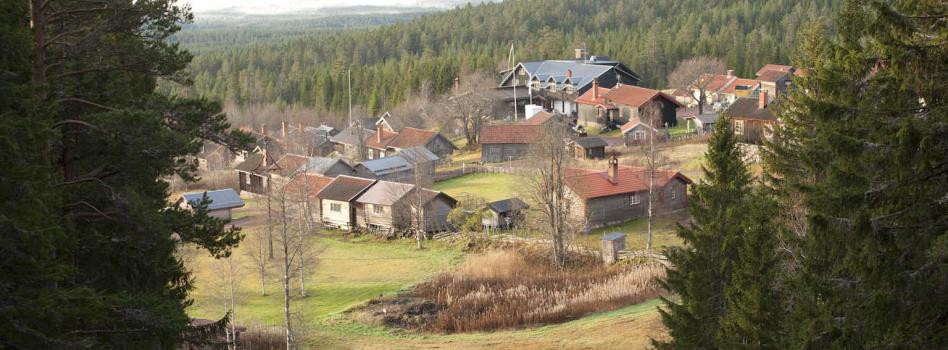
(551, 156)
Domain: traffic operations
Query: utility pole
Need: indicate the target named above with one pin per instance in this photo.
(349, 83)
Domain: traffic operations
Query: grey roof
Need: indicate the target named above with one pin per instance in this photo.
(344, 188)
(707, 118)
(319, 165)
(252, 163)
(219, 199)
(591, 142)
(393, 122)
(387, 165)
(583, 71)
(506, 205)
(747, 108)
(385, 193)
(418, 154)
(350, 136)
(613, 236)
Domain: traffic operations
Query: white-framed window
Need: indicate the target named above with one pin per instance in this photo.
(674, 194)
(335, 207)
(739, 127)
(638, 135)
(633, 199)
(378, 209)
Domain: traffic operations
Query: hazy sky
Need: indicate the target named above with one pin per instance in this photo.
(276, 6)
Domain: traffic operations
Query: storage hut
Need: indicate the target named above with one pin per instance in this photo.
(612, 243)
(219, 204)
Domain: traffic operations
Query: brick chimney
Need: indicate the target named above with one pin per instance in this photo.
(762, 100)
(457, 84)
(378, 133)
(569, 73)
(300, 126)
(580, 54)
(283, 129)
(613, 171)
(730, 72)
(263, 129)
(595, 89)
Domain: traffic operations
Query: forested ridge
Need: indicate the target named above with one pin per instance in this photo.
(389, 62)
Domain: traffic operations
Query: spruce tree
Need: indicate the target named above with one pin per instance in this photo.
(861, 170)
(701, 272)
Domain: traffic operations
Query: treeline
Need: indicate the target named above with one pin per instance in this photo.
(388, 62)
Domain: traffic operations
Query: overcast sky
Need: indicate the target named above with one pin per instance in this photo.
(277, 6)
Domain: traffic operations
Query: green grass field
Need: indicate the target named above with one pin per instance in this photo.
(488, 186)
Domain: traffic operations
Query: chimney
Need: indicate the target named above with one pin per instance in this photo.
(283, 129)
(730, 72)
(569, 73)
(595, 89)
(300, 127)
(378, 133)
(762, 101)
(613, 171)
(457, 84)
(580, 54)
(263, 129)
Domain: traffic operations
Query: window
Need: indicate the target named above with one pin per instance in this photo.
(638, 135)
(335, 207)
(739, 127)
(633, 199)
(378, 209)
(674, 194)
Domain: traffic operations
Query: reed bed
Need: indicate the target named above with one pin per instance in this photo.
(505, 289)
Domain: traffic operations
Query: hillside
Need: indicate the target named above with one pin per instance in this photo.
(389, 61)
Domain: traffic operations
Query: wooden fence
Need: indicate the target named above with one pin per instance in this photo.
(450, 170)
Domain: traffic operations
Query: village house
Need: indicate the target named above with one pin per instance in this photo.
(348, 141)
(752, 119)
(635, 132)
(436, 206)
(724, 89)
(219, 205)
(384, 142)
(302, 190)
(556, 83)
(253, 174)
(607, 108)
(425, 162)
(700, 123)
(214, 156)
(330, 167)
(336, 206)
(589, 147)
(389, 122)
(507, 142)
(310, 141)
(384, 208)
(286, 167)
(775, 78)
(392, 168)
(620, 193)
(503, 214)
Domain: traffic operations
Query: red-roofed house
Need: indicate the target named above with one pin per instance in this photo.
(384, 142)
(501, 143)
(622, 104)
(303, 189)
(620, 193)
(775, 78)
(725, 88)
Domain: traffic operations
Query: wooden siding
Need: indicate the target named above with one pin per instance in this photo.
(436, 215)
(497, 153)
(441, 147)
(341, 219)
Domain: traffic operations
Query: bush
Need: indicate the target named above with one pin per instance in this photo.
(465, 220)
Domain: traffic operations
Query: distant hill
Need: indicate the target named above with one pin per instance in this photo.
(389, 61)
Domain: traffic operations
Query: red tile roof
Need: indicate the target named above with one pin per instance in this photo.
(629, 125)
(307, 184)
(635, 96)
(732, 87)
(587, 98)
(774, 67)
(715, 82)
(771, 75)
(288, 164)
(589, 184)
(538, 119)
(412, 137)
(372, 141)
(511, 133)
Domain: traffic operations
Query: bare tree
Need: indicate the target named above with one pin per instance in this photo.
(228, 281)
(417, 199)
(256, 250)
(548, 186)
(653, 159)
(472, 102)
(695, 74)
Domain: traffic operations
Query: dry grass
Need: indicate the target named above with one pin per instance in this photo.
(506, 289)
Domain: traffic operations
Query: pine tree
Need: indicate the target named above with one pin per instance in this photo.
(702, 267)
(863, 189)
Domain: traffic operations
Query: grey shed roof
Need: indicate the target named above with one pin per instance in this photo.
(707, 118)
(384, 193)
(506, 205)
(319, 165)
(748, 108)
(583, 71)
(350, 136)
(219, 199)
(251, 164)
(418, 154)
(613, 236)
(344, 188)
(387, 165)
(591, 142)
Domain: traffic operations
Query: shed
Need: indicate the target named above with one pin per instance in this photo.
(496, 214)
(220, 202)
(590, 147)
(612, 243)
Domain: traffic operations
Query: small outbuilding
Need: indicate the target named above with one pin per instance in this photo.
(503, 214)
(220, 202)
(590, 147)
(612, 243)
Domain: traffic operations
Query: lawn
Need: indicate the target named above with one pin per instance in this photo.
(489, 186)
